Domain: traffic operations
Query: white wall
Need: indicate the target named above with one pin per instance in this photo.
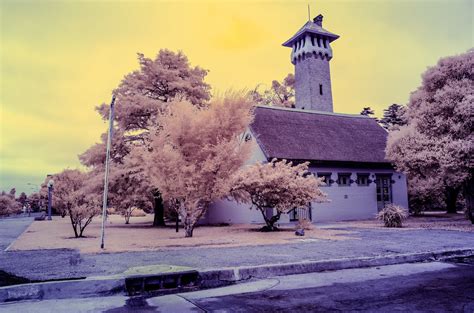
(225, 211)
(356, 202)
(346, 202)
(400, 190)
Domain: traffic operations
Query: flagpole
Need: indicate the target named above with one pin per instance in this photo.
(106, 178)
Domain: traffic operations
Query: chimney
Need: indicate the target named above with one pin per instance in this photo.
(318, 20)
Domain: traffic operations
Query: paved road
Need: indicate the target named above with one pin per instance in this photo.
(434, 288)
(11, 228)
(420, 287)
(64, 263)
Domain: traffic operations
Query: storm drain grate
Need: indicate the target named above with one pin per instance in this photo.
(162, 283)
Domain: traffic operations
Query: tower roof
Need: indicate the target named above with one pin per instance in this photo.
(313, 27)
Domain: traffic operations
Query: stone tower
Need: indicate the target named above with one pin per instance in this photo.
(311, 53)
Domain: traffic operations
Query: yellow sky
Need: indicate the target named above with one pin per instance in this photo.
(59, 59)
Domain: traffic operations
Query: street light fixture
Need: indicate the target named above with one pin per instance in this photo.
(50, 193)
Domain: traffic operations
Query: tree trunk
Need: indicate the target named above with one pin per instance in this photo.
(74, 225)
(188, 227)
(468, 192)
(76, 234)
(159, 209)
(451, 195)
(127, 215)
(270, 221)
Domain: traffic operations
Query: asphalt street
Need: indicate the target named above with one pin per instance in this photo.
(11, 228)
(416, 287)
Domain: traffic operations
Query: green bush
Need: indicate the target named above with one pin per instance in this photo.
(392, 215)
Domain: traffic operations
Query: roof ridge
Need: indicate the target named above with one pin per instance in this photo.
(311, 111)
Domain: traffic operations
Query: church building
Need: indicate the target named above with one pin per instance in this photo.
(347, 150)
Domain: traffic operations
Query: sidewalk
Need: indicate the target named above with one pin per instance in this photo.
(65, 264)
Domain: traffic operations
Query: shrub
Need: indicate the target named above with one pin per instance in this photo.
(138, 213)
(8, 205)
(392, 215)
(132, 212)
(304, 223)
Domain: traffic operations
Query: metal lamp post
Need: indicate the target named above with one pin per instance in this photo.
(106, 177)
(50, 200)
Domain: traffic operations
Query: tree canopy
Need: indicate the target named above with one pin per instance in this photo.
(196, 151)
(74, 195)
(279, 185)
(279, 94)
(143, 96)
(367, 111)
(393, 116)
(436, 144)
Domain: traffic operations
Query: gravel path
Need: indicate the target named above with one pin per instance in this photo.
(64, 263)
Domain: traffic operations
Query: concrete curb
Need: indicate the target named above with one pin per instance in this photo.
(63, 289)
(109, 285)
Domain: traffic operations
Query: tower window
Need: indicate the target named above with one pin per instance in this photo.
(320, 89)
(312, 39)
(324, 42)
(318, 39)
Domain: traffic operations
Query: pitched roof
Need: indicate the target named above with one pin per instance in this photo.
(310, 27)
(318, 136)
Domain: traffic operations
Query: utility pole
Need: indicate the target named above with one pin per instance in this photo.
(106, 178)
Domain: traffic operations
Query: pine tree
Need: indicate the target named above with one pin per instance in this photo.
(367, 111)
(393, 116)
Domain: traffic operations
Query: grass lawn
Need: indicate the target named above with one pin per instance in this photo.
(140, 236)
